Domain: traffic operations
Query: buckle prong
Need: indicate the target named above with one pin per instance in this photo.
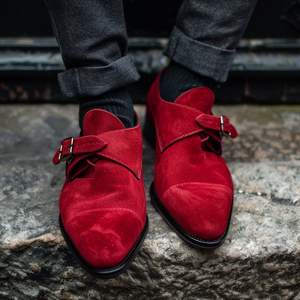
(223, 132)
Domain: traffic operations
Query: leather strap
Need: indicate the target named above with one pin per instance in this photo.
(214, 123)
(187, 122)
(182, 119)
(80, 145)
(123, 146)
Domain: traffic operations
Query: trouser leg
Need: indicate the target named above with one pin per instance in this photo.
(93, 41)
(206, 34)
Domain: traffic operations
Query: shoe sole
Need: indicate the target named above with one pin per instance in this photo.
(150, 135)
(108, 272)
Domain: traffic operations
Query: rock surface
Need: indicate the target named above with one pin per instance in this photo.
(259, 260)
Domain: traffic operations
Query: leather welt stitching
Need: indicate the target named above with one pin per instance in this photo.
(207, 120)
(227, 126)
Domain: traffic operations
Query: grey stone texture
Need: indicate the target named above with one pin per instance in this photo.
(259, 260)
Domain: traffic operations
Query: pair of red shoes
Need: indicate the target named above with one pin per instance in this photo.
(103, 209)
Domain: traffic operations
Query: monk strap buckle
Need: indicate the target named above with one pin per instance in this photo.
(68, 156)
(223, 132)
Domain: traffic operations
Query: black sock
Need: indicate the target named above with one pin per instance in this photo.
(176, 80)
(117, 102)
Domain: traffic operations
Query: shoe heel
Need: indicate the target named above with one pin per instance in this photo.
(149, 133)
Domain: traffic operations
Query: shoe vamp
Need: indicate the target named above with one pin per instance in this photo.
(185, 161)
(113, 186)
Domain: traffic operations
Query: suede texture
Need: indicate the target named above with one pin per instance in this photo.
(191, 178)
(103, 203)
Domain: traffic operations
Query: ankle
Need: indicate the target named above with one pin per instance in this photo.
(176, 80)
(117, 102)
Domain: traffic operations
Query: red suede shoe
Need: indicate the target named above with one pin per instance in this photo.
(192, 187)
(102, 203)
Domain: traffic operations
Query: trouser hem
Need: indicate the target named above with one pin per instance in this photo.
(94, 81)
(201, 58)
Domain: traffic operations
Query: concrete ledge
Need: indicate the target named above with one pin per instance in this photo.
(259, 260)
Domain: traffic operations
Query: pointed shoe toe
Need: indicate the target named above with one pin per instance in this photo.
(105, 237)
(201, 209)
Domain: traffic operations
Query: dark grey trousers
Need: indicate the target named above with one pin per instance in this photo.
(93, 41)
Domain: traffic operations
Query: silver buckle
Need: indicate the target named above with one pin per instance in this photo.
(222, 132)
(69, 156)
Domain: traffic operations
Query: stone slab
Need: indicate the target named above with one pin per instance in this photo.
(259, 260)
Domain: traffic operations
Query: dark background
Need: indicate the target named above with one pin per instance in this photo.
(151, 18)
(269, 71)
